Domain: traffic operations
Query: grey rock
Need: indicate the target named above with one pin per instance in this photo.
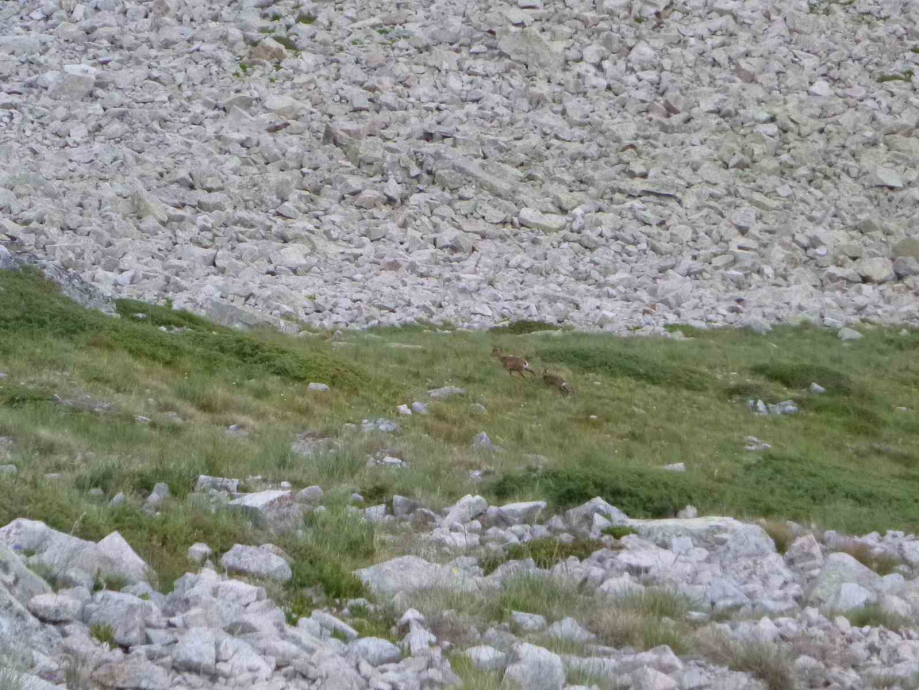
(486, 658)
(467, 508)
(851, 596)
(274, 508)
(528, 622)
(132, 673)
(846, 333)
(535, 668)
(126, 615)
(205, 483)
(55, 608)
(196, 652)
(375, 651)
(199, 552)
(483, 442)
(569, 629)
(319, 387)
(311, 495)
(647, 678)
(159, 494)
(446, 392)
(840, 569)
(804, 553)
(581, 519)
(256, 562)
(381, 425)
(332, 624)
(408, 573)
(522, 513)
(404, 507)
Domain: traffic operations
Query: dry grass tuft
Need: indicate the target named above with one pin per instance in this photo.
(882, 564)
(767, 661)
(780, 532)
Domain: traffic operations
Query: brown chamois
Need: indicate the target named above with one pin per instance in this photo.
(557, 382)
(512, 363)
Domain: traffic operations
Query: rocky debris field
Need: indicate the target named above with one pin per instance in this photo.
(607, 164)
(808, 614)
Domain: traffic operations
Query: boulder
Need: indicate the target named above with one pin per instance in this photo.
(196, 652)
(408, 573)
(486, 658)
(132, 673)
(257, 562)
(535, 668)
(375, 651)
(838, 570)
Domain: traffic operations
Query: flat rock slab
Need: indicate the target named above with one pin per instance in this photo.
(257, 562)
(408, 573)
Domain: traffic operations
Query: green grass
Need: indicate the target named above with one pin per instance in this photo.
(545, 552)
(849, 461)
(874, 616)
(523, 327)
(104, 634)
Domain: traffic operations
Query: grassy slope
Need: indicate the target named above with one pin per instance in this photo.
(850, 460)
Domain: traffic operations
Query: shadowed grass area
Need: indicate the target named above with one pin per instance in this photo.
(32, 308)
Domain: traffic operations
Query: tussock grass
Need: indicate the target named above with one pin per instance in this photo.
(780, 532)
(882, 564)
(455, 615)
(104, 634)
(767, 661)
(644, 620)
(874, 616)
(473, 678)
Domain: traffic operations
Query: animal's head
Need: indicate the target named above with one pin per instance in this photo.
(496, 352)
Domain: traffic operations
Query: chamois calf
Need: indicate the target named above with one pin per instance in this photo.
(557, 382)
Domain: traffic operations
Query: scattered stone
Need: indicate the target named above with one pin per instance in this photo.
(482, 442)
(318, 387)
(528, 622)
(404, 410)
(754, 445)
(487, 658)
(375, 651)
(199, 552)
(846, 333)
(419, 408)
(382, 425)
(446, 392)
(675, 467)
(311, 495)
(535, 668)
(816, 389)
(159, 494)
